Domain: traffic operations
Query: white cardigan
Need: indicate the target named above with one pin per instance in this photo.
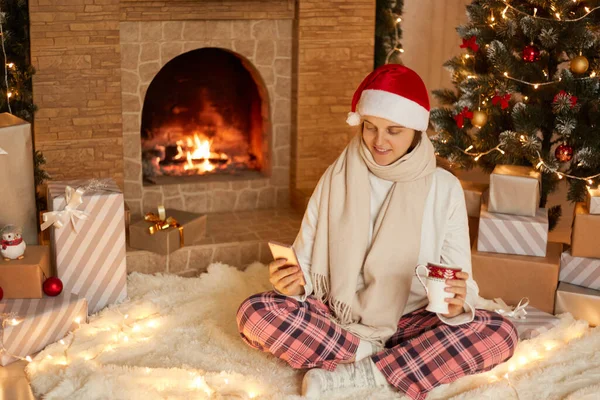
(444, 237)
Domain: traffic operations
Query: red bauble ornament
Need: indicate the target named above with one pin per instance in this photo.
(563, 153)
(1, 293)
(53, 286)
(531, 53)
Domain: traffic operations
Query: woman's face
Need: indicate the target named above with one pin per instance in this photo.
(386, 140)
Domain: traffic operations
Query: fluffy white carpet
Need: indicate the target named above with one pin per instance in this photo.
(177, 339)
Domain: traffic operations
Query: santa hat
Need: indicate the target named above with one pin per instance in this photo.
(393, 92)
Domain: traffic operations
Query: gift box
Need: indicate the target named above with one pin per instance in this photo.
(515, 190)
(42, 321)
(535, 323)
(512, 277)
(88, 239)
(585, 241)
(23, 279)
(475, 196)
(513, 234)
(473, 229)
(593, 200)
(582, 303)
(183, 229)
(580, 271)
(17, 185)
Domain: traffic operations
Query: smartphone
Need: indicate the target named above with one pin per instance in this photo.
(280, 250)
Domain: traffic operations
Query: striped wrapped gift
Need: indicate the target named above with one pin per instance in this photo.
(579, 270)
(43, 321)
(535, 323)
(513, 234)
(89, 249)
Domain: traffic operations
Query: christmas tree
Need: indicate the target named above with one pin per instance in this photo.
(16, 95)
(527, 92)
(388, 32)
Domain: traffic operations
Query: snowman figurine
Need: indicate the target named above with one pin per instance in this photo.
(13, 245)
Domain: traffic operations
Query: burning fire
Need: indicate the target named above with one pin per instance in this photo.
(198, 149)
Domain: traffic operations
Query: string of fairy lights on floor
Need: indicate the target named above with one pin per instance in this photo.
(541, 164)
(128, 331)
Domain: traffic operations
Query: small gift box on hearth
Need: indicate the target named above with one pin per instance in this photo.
(86, 218)
(515, 190)
(167, 231)
(585, 241)
(582, 303)
(23, 278)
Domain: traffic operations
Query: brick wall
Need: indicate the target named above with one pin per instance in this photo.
(181, 10)
(75, 50)
(335, 42)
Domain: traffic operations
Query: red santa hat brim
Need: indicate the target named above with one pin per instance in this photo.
(383, 104)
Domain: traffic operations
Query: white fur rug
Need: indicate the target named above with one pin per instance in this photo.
(177, 339)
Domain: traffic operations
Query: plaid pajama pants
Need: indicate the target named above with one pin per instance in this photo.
(423, 354)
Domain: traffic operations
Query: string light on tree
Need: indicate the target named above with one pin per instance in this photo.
(396, 45)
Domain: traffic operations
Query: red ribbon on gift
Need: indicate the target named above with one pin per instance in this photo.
(470, 43)
(6, 243)
(460, 117)
(502, 100)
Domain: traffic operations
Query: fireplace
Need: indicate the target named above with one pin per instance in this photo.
(205, 115)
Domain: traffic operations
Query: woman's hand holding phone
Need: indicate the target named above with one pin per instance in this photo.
(287, 279)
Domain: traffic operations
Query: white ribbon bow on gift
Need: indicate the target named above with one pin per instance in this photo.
(518, 312)
(70, 212)
(2, 151)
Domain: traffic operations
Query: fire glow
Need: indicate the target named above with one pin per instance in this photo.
(198, 154)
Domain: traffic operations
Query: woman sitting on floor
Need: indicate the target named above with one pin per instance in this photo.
(354, 311)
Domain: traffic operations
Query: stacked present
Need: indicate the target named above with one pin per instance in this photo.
(511, 255)
(579, 289)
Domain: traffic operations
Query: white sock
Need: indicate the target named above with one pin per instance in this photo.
(365, 349)
(362, 374)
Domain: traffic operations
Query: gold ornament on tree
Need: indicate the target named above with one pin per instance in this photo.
(479, 118)
(579, 64)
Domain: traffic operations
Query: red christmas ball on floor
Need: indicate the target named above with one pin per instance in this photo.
(53, 286)
(563, 153)
(531, 53)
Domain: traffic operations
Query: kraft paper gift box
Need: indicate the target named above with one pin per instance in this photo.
(475, 196)
(513, 234)
(580, 271)
(17, 187)
(585, 240)
(535, 323)
(473, 229)
(168, 240)
(23, 279)
(593, 200)
(512, 277)
(515, 190)
(582, 303)
(88, 242)
(43, 321)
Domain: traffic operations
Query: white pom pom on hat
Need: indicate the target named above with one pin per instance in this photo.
(393, 92)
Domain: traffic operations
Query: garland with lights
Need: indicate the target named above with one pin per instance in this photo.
(388, 31)
(527, 93)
